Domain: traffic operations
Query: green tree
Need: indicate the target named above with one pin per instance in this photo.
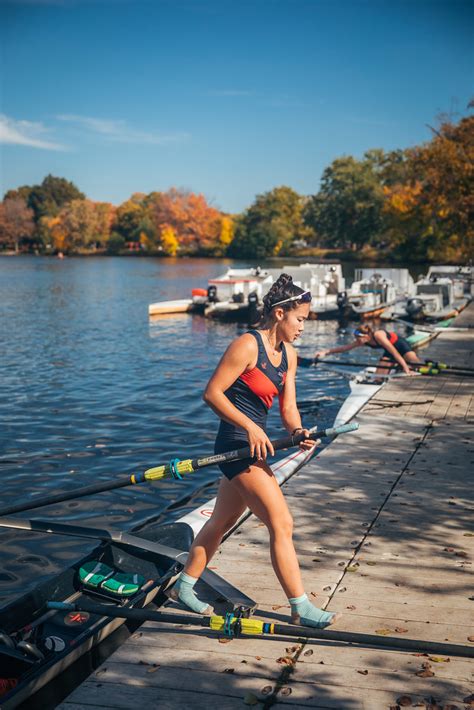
(129, 219)
(348, 207)
(48, 198)
(270, 225)
(81, 224)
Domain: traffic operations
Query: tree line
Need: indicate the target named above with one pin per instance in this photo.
(415, 204)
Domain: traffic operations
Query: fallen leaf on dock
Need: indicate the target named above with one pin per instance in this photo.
(251, 699)
(351, 607)
(266, 690)
(363, 672)
(309, 652)
(383, 632)
(258, 658)
(285, 691)
(224, 640)
(285, 661)
(371, 563)
(400, 630)
(154, 667)
(438, 659)
(352, 568)
(424, 673)
(470, 639)
(275, 607)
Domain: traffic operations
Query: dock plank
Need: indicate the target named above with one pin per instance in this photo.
(384, 533)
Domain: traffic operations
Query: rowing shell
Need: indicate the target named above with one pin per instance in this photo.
(54, 639)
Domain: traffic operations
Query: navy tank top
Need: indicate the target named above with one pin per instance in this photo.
(253, 391)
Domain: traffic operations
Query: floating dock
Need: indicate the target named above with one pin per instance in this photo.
(384, 532)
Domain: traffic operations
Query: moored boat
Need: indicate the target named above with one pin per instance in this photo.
(370, 294)
(125, 569)
(327, 285)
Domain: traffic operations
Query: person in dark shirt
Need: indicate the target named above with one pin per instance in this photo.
(396, 349)
(256, 368)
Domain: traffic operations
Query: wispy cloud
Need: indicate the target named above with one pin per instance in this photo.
(119, 131)
(27, 133)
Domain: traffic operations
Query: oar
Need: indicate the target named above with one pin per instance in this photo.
(233, 626)
(428, 367)
(174, 469)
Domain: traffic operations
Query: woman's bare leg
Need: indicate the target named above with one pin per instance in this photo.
(411, 356)
(227, 510)
(262, 494)
(259, 490)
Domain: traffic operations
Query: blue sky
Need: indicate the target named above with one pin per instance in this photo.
(225, 98)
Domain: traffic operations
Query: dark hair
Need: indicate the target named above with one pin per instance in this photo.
(281, 289)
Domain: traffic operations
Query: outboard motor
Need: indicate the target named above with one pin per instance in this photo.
(342, 300)
(254, 311)
(414, 308)
(212, 294)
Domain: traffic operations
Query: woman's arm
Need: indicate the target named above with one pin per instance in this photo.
(381, 338)
(341, 349)
(241, 355)
(289, 412)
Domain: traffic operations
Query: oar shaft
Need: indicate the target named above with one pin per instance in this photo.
(139, 615)
(445, 369)
(32, 504)
(284, 443)
(164, 471)
(255, 627)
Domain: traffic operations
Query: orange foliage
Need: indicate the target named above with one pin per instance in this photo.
(402, 199)
(195, 224)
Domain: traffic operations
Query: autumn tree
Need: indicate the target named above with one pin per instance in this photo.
(168, 241)
(16, 223)
(445, 167)
(195, 224)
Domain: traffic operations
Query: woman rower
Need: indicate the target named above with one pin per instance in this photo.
(256, 367)
(395, 348)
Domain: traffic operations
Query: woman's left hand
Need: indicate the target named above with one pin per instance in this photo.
(308, 443)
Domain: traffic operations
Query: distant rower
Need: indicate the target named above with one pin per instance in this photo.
(395, 348)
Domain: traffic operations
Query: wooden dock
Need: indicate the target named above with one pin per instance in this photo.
(384, 531)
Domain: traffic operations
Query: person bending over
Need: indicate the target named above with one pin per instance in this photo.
(396, 349)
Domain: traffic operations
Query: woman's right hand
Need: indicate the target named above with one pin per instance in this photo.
(260, 444)
(319, 354)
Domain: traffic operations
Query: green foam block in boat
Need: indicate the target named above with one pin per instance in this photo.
(94, 573)
(122, 584)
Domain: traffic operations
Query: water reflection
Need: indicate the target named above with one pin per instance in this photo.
(92, 389)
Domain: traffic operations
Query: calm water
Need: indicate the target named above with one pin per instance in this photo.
(92, 390)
